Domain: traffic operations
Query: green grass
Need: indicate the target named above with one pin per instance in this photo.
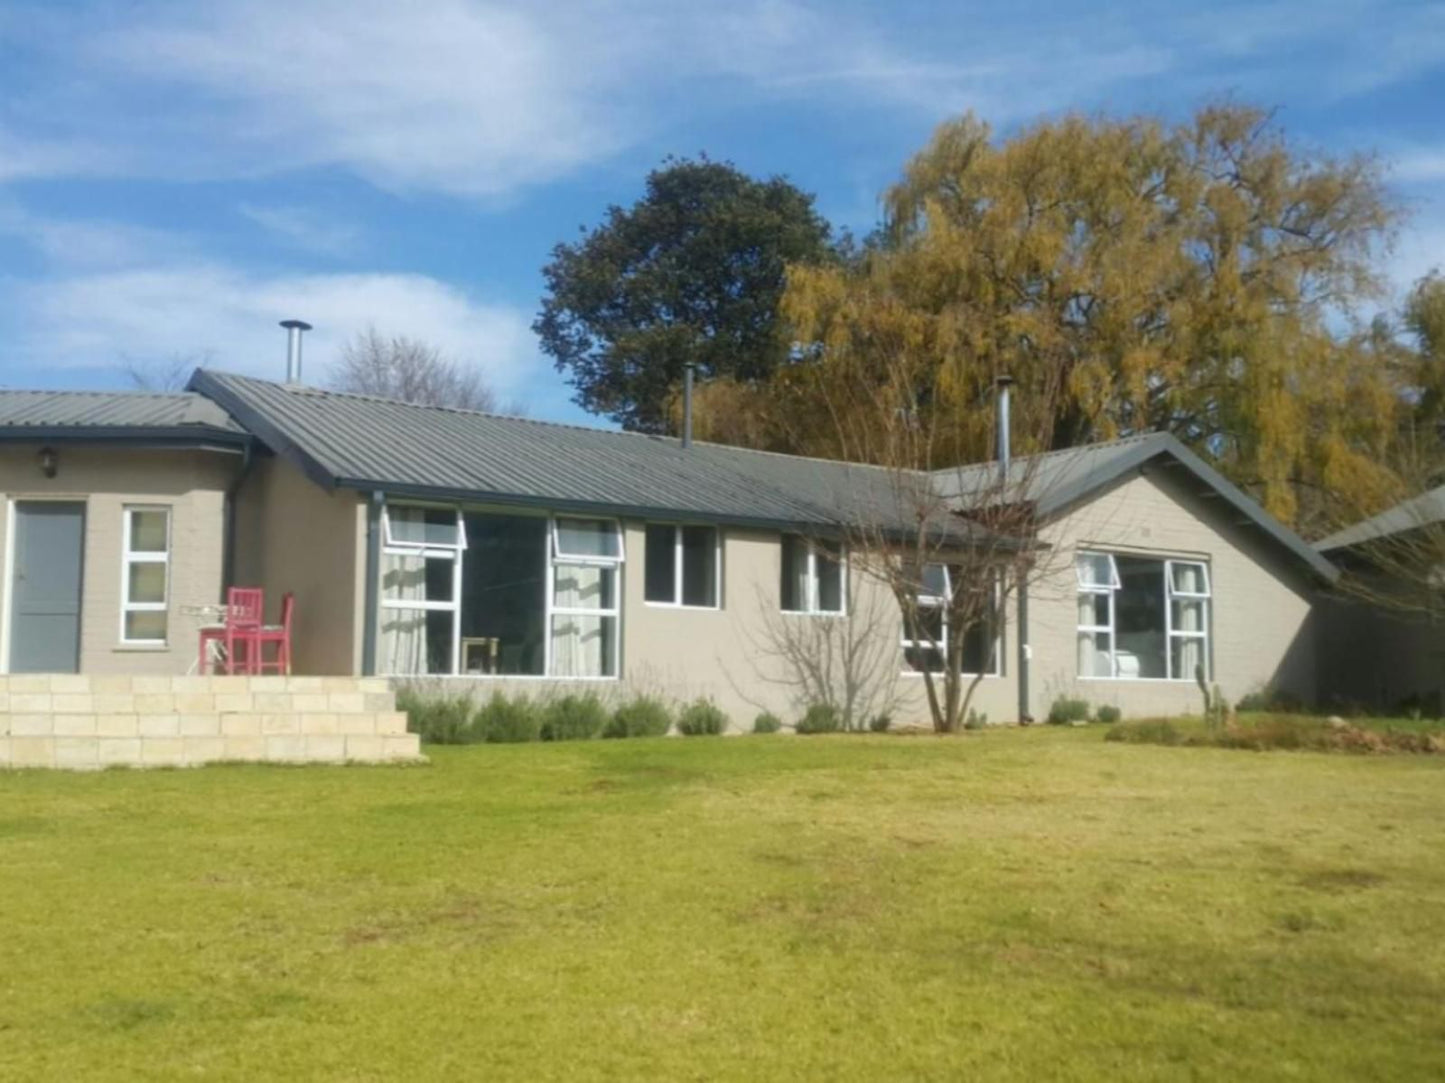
(1021, 904)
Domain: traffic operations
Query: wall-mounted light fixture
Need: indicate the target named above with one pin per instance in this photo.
(49, 462)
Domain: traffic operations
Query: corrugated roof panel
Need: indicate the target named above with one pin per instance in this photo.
(365, 441)
(111, 410)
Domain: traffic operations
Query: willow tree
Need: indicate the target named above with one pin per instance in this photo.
(1202, 279)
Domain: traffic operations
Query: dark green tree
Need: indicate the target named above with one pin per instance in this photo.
(692, 272)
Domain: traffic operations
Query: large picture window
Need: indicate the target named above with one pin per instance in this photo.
(145, 577)
(926, 645)
(814, 576)
(494, 594)
(682, 566)
(1142, 618)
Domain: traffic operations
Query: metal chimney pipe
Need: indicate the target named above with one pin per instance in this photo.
(293, 348)
(687, 371)
(1005, 441)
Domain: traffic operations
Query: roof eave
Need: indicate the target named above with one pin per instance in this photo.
(191, 437)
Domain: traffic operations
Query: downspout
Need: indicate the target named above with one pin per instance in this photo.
(228, 534)
(373, 577)
(1004, 385)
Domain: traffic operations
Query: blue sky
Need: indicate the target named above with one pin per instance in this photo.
(175, 178)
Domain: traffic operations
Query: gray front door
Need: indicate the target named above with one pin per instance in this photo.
(45, 590)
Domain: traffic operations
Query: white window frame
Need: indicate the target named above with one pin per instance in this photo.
(1168, 564)
(393, 547)
(937, 601)
(130, 556)
(558, 558)
(677, 573)
(559, 555)
(812, 609)
(1205, 598)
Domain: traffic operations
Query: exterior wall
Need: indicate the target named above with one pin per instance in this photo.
(1262, 636)
(729, 654)
(1378, 659)
(83, 722)
(107, 479)
(292, 535)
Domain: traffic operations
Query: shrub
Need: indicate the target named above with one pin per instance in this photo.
(1108, 713)
(976, 720)
(820, 718)
(880, 723)
(1065, 710)
(1157, 731)
(507, 721)
(644, 716)
(701, 718)
(573, 718)
(438, 720)
(767, 722)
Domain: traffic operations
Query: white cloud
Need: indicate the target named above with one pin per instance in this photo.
(481, 98)
(89, 243)
(93, 321)
(306, 229)
(1418, 165)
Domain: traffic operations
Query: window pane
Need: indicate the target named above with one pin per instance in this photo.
(1095, 659)
(423, 526)
(1094, 609)
(935, 581)
(1188, 657)
(923, 659)
(584, 586)
(978, 649)
(587, 538)
(583, 646)
(830, 580)
(1095, 570)
(414, 641)
(660, 561)
(1140, 649)
(926, 626)
(147, 583)
(415, 578)
(148, 531)
(146, 626)
(1188, 615)
(699, 565)
(1190, 579)
(505, 578)
(795, 574)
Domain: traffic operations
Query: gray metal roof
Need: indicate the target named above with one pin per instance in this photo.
(178, 416)
(361, 442)
(1427, 509)
(1059, 480)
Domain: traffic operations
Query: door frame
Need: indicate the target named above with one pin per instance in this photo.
(9, 564)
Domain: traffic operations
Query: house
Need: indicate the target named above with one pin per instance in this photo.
(519, 555)
(1386, 642)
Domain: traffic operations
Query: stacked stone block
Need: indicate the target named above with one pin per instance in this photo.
(89, 722)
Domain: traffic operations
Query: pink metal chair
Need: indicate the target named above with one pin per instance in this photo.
(244, 609)
(280, 635)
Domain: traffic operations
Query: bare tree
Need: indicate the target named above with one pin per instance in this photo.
(163, 374)
(410, 370)
(951, 544)
(848, 663)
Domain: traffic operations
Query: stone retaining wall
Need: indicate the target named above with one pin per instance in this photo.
(88, 722)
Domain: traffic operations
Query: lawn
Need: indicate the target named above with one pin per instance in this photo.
(1015, 904)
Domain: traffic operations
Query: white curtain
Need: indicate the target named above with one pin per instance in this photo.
(1093, 661)
(581, 644)
(402, 642)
